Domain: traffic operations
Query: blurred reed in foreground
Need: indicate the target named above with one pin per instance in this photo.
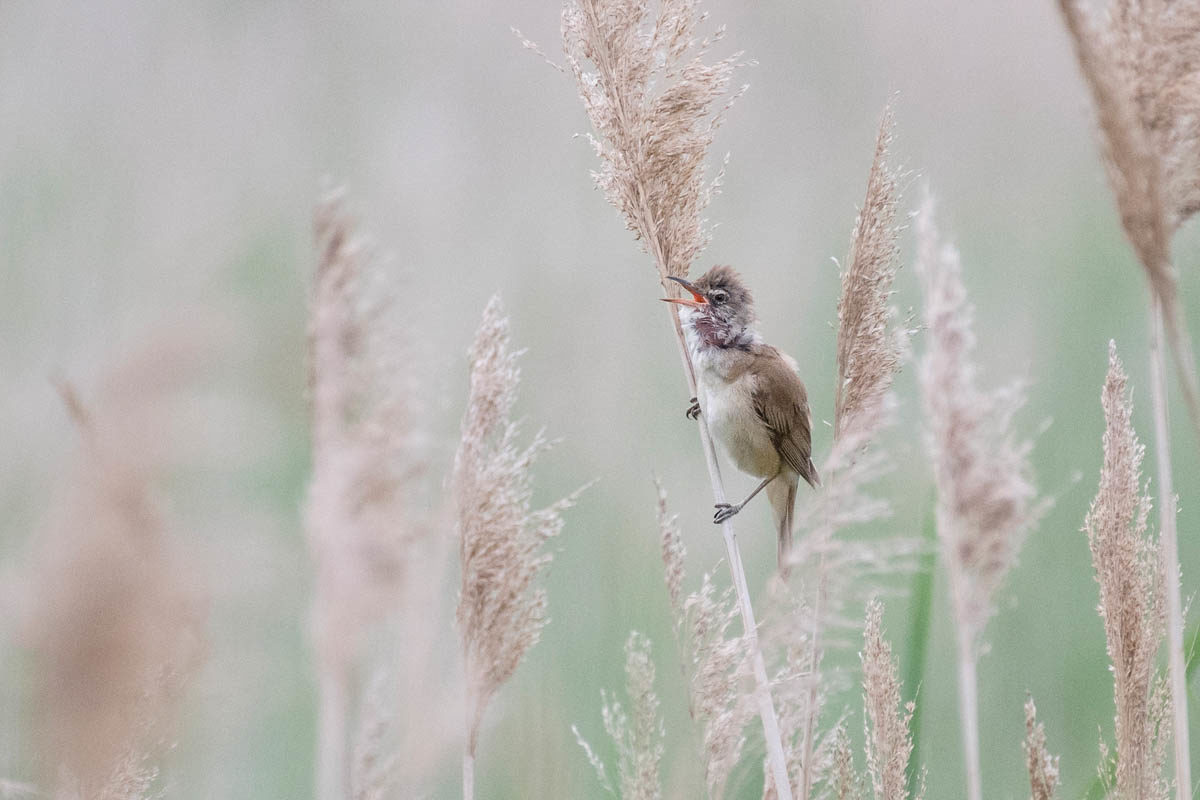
(115, 617)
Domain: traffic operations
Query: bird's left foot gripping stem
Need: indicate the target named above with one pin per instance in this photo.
(725, 511)
(693, 411)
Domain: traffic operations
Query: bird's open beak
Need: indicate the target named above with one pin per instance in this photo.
(698, 299)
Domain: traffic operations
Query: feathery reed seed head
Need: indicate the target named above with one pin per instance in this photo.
(639, 741)
(115, 623)
(869, 352)
(1042, 767)
(1132, 602)
(846, 783)
(370, 453)
(1139, 63)
(674, 554)
(650, 96)
(500, 611)
(987, 502)
(888, 741)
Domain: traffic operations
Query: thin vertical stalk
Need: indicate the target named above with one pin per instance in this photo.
(1170, 553)
(468, 775)
(918, 639)
(470, 718)
(810, 716)
(762, 692)
(968, 710)
(332, 711)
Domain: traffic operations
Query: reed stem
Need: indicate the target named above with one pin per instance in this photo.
(333, 707)
(468, 776)
(968, 710)
(1170, 553)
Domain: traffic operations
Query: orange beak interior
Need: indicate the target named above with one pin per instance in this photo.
(697, 298)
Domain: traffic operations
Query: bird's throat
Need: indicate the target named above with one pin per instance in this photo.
(707, 333)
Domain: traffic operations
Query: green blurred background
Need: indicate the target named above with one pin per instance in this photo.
(160, 162)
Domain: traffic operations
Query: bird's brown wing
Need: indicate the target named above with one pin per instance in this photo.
(781, 403)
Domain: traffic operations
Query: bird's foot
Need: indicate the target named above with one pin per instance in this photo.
(693, 411)
(725, 511)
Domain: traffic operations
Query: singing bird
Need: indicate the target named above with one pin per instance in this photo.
(750, 394)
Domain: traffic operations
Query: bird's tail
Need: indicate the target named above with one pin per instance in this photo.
(782, 494)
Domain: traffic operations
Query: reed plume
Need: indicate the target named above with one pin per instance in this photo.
(650, 98)
(869, 349)
(639, 741)
(1129, 570)
(714, 663)
(115, 622)
(1042, 767)
(845, 782)
(369, 463)
(888, 740)
(653, 96)
(501, 612)
(987, 502)
(1139, 63)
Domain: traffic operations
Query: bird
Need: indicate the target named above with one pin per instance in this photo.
(750, 394)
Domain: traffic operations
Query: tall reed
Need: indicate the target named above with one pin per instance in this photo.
(501, 610)
(1139, 64)
(1130, 571)
(368, 461)
(987, 502)
(652, 99)
(115, 620)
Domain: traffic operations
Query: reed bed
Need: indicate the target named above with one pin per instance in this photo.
(409, 663)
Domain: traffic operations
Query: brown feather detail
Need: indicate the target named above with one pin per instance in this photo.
(782, 494)
(781, 402)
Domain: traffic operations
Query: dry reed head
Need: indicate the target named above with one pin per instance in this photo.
(1042, 767)
(674, 554)
(650, 95)
(115, 620)
(845, 782)
(1134, 166)
(714, 663)
(987, 502)
(370, 455)
(1139, 63)
(869, 351)
(1132, 602)
(639, 741)
(888, 741)
(500, 612)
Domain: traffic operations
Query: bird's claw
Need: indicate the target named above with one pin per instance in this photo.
(693, 411)
(724, 512)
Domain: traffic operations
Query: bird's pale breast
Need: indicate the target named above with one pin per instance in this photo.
(729, 408)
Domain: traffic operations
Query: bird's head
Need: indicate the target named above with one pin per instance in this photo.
(720, 309)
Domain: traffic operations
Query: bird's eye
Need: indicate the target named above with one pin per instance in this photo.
(718, 296)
